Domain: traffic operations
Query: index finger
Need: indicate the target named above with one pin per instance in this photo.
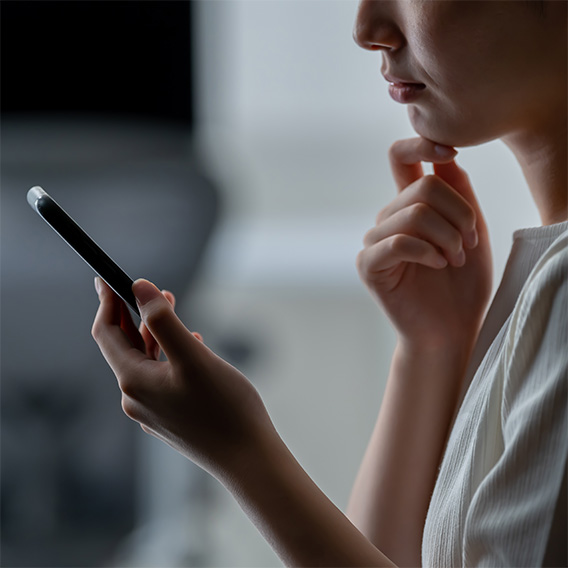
(406, 157)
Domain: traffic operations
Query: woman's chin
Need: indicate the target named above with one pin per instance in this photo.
(439, 128)
(431, 126)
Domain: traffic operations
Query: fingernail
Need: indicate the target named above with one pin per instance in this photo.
(460, 258)
(98, 285)
(444, 151)
(441, 262)
(471, 239)
(144, 291)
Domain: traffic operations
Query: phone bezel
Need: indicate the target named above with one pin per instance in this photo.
(70, 231)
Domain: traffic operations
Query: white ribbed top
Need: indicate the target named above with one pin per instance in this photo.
(498, 492)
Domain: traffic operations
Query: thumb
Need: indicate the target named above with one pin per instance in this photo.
(159, 317)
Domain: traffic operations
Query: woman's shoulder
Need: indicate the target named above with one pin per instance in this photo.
(545, 289)
(536, 353)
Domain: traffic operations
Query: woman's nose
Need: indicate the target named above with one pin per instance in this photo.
(375, 27)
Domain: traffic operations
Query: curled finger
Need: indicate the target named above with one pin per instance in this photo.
(421, 221)
(394, 250)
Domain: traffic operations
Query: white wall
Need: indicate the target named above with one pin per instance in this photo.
(297, 122)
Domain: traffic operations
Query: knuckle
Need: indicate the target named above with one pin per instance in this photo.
(453, 242)
(96, 330)
(361, 263)
(129, 407)
(368, 238)
(429, 184)
(381, 215)
(129, 386)
(394, 149)
(398, 244)
(401, 147)
(418, 212)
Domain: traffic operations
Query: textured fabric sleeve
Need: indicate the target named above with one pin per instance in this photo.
(510, 521)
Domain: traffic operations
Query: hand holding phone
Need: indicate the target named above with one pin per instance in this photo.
(83, 245)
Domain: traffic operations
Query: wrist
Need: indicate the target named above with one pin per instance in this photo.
(432, 372)
(249, 460)
(448, 351)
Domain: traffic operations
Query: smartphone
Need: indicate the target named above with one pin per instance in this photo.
(83, 245)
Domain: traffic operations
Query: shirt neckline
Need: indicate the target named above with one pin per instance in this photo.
(543, 232)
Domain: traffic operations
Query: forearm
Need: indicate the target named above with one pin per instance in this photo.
(292, 513)
(392, 491)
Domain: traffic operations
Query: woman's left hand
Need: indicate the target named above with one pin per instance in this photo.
(194, 401)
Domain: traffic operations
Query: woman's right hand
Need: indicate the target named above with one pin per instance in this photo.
(427, 261)
(194, 401)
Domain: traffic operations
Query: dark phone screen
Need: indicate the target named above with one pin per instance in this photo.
(87, 249)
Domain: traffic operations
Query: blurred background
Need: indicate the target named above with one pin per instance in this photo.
(234, 152)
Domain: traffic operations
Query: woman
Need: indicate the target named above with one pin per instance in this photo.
(466, 463)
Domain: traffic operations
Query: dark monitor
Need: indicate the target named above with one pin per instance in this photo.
(132, 59)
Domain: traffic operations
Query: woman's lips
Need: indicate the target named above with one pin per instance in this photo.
(405, 92)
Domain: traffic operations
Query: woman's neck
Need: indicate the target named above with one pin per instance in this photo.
(542, 155)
